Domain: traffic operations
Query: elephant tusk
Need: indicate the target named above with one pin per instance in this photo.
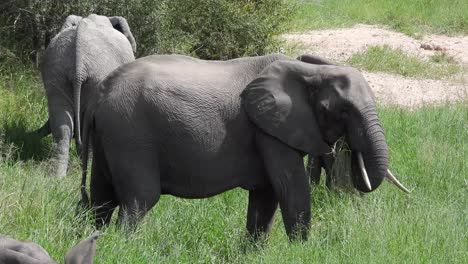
(389, 177)
(363, 171)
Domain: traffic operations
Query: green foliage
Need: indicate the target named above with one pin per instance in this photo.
(223, 29)
(386, 59)
(209, 29)
(413, 17)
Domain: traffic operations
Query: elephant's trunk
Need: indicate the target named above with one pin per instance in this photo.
(374, 151)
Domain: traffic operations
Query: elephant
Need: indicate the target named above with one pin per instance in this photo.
(76, 60)
(172, 124)
(21, 252)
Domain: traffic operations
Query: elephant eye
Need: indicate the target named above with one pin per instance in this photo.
(344, 114)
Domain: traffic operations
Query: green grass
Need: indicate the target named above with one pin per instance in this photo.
(413, 17)
(23, 108)
(386, 59)
(428, 153)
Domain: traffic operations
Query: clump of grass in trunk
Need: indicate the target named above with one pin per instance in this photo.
(340, 174)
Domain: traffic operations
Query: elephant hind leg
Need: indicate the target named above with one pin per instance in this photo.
(136, 183)
(103, 198)
(61, 125)
(261, 211)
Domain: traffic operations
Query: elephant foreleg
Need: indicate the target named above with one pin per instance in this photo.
(261, 211)
(314, 169)
(287, 176)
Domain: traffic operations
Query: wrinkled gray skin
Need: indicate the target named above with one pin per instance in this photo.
(13, 251)
(76, 60)
(193, 129)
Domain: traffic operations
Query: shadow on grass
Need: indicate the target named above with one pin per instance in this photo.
(21, 143)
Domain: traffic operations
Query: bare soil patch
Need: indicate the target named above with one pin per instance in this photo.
(339, 44)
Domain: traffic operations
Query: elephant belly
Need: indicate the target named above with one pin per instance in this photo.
(203, 170)
(205, 180)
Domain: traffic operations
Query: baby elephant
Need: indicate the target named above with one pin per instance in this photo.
(19, 252)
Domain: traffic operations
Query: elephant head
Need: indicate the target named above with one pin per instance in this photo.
(71, 21)
(15, 251)
(309, 107)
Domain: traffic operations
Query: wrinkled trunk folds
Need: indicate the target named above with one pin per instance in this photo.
(374, 152)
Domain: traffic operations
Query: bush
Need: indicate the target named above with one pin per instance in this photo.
(209, 29)
(223, 29)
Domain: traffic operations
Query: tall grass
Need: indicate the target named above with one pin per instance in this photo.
(414, 17)
(23, 108)
(428, 153)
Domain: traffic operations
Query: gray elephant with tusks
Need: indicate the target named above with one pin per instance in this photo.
(21, 252)
(76, 60)
(192, 128)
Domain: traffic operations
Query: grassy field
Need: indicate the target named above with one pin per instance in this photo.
(428, 153)
(386, 59)
(411, 17)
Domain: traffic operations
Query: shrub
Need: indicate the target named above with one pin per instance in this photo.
(209, 29)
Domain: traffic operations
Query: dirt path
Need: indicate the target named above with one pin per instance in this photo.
(340, 44)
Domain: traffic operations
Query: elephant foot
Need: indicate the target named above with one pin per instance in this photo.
(60, 159)
(59, 170)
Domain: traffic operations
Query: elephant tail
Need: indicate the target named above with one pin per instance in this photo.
(80, 77)
(88, 121)
(77, 104)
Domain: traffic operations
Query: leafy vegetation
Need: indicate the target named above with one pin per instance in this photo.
(413, 17)
(386, 59)
(209, 29)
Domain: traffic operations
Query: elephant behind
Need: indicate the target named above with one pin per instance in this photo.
(193, 129)
(76, 60)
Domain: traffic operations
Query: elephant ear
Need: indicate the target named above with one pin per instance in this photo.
(313, 59)
(120, 24)
(71, 21)
(278, 102)
(83, 252)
